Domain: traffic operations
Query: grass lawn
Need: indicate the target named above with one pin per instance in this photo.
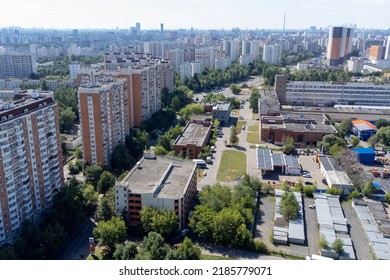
(254, 128)
(253, 137)
(239, 126)
(98, 254)
(232, 167)
(255, 116)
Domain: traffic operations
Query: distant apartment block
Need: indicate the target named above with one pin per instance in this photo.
(16, 66)
(331, 93)
(272, 54)
(176, 58)
(206, 57)
(104, 118)
(74, 69)
(185, 71)
(12, 84)
(161, 183)
(355, 64)
(31, 169)
(339, 45)
(222, 63)
(193, 139)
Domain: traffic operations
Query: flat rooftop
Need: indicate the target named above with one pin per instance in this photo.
(165, 177)
(221, 106)
(298, 123)
(194, 134)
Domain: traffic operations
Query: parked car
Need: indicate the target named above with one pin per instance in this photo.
(184, 231)
(308, 183)
(306, 175)
(312, 206)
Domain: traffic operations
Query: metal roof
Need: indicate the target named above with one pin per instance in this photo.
(278, 159)
(292, 162)
(264, 159)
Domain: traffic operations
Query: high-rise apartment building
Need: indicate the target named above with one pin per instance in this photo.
(31, 170)
(185, 71)
(206, 57)
(176, 58)
(155, 48)
(339, 45)
(387, 51)
(16, 66)
(104, 118)
(376, 52)
(272, 54)
(74, 69)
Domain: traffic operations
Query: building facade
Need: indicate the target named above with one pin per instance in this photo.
(339, 45)
(104, 118)
(161, 183)
(193, 139)
(31, 169)
(16, 66)
(272, 54)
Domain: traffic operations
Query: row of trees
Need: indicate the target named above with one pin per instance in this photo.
(225, 216)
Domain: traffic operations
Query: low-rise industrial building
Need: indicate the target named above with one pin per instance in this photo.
(365, 155)
(305, 129)
(267, 161)
(193, 139)
(334, 174)
(333, 225)
(221, 111)
(376, 226)
(161, 183)
(363, 129)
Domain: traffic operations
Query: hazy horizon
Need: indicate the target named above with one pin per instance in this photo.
(197, 14)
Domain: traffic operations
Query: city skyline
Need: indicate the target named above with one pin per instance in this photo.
(199, 14)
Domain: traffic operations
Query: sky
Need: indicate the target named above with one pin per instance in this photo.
(199, 14)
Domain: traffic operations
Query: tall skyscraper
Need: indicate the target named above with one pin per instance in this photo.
(339, 45)
(31, 170)
(162, 27)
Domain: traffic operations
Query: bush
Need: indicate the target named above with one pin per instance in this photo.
(258, 246)
(73, 169)
(334, 191)
(309, 190)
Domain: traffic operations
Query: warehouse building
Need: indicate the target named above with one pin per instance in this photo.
(376, 225)
(363, 129)
(333, 225)
(334, 174)
(292, 231)
(267, 161)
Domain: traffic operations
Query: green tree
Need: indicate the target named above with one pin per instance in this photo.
(368, 188)
(163, 222)
(92, 174)
(109, 233)
(355, 141)
(254, 100)
(308, 190)
(192, 109)
(106, 182)
(127, 251)
(243, 238)
(233, 139)
(267, 188)
(235, 89)
(52, 239)
(381, 123)
(354, 194)
(68, 207)
(165, 141)
(345, 128)
(289, 206)
(337, 246)
(91, 197)
(67, 118)
(322, 242)
(387, 197)
(121, 159)
(160, 150)
(383, 135)
(215, 197)
(202, 221)
(188, 250)
(154, 247)
(105, 210)
(78, 153)
(225, 226)
(175, 103)
(67, 98)
(334, 191)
